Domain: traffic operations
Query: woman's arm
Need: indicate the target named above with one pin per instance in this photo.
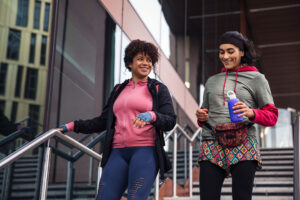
(165, 115)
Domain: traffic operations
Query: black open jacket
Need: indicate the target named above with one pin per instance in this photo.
(165, 121)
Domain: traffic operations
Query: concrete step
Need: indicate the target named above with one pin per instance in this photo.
(274, 173)
(281, 157)
(268, 191)
(277, 153)
(278, 168)
(265, 181)
(230, 198)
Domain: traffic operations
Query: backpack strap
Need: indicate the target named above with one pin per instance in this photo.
(117, 87)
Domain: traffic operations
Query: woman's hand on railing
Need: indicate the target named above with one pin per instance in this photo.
(66, 127)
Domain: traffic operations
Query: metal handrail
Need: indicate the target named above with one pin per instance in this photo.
(46, 138)
(190, 141)
(297, 158)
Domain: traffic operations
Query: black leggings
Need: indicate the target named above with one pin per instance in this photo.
(212, 177)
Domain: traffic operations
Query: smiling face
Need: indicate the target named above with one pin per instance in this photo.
(230, 56)
(141, 66)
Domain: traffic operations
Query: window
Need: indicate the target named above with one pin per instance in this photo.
(19, 81)
(14, 110)
(3, 72)
(32, 48)
(2, 105)
(34, 113)
(22, 15)
(43, 50)
(37, 15)
(31, 83)
(13, 45)
(46, 16)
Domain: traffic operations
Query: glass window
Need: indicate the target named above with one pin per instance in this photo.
(34, 113)
(14, 110)
(46, 16)
(37, 14)
(121, 72)
(13, 44)
(3, 73)
(32, 48)
(19, 82)
(149, 11)
(155, 21)
(2, 105)
(31, 83)
(22, 15)
(43, 50)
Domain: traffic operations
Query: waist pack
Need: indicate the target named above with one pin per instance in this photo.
(230, 134)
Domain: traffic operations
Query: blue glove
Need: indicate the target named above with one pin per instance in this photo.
(146, 116)
(63, 128)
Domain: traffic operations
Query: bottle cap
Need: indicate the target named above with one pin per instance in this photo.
(231, 94)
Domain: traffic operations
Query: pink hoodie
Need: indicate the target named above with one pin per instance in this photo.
(133, 100)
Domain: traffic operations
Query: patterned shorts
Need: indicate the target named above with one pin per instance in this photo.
(224, 157)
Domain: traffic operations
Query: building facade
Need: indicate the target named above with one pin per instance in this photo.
(24, 38)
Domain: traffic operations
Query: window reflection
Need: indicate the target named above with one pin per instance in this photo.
(31, 83)
(37, 14)
(151, 14)
(46, 16)
(32, 48)
(22, 15)
(19, 82)
(24, 40)
(43, 50)
(121, 72)
(13, 45)
(3, 71)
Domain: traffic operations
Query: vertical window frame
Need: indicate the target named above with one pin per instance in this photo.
(31, 84)
(3, 77)
(46, 17)
(22, 13)
(19, 79)
(37, 14)
(43, 50)
(32, 48)
(13, 44)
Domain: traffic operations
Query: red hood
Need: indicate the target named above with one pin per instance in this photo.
(241, 69)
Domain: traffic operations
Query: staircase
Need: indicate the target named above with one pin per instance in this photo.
(273, 182)
(24, 180)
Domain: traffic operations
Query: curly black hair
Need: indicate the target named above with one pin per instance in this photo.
(251, 55)
(139, 46)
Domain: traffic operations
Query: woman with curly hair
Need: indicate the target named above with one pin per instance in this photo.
(220, 154)
(136, 114)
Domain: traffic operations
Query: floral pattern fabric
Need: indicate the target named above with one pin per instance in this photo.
(225, 156)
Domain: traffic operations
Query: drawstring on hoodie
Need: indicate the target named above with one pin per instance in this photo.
(235, 83)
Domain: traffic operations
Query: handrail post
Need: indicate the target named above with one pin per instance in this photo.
(157, 187)
(174, 163)
(46, 172)
(297, 158)
(39, 173)
(185, 158)
(191, 170)
(99, 173)
(70, 179)
(91, 168)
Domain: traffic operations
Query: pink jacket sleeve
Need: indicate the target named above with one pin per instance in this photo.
(266, 116)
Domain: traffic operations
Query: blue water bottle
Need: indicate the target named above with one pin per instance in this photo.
(232, 100)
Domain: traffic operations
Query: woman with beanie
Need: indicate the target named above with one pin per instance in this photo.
(217, 159)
